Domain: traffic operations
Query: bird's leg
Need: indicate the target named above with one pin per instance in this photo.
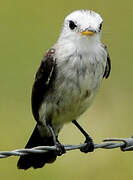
(89, 141)
(60, 149)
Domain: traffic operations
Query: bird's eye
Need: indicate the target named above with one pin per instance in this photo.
(72, 25)
(100, 27)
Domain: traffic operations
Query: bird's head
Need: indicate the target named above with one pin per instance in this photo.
(82, 24)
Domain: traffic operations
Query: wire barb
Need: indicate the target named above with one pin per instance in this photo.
(125, 144)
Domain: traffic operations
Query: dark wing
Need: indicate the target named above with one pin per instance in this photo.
(43, 80)
(108, 66)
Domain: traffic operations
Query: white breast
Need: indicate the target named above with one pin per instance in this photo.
(79, 75)
(78, 79)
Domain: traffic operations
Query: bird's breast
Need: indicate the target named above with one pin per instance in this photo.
(76, 85)
(74, 88)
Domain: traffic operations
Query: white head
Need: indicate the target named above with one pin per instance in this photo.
(82, 24)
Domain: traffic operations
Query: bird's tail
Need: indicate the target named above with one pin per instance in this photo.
(37, 160)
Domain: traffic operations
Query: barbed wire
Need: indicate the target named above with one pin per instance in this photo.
(125, 144)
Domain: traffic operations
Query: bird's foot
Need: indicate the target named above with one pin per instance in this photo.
(89, 145)
(60, 149)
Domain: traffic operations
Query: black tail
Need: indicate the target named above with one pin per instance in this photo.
(37, 160)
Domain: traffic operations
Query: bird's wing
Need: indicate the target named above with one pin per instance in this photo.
(43, 81)
(108, 65)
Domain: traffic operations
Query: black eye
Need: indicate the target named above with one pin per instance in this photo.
(72, 25)
(100, 27)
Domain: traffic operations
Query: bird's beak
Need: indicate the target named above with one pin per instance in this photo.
(88, 32)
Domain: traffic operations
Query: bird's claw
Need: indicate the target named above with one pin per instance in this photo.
(60, 149)
(89, 147)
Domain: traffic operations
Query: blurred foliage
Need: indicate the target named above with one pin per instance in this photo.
(27, 30)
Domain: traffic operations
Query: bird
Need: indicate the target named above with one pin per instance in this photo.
(66, 83)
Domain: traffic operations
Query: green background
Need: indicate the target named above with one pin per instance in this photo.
(27, 29)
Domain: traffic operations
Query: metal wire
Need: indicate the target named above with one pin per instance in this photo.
(125, 144)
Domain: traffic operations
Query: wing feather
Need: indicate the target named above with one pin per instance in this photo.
(108, 66)
(43, 81)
